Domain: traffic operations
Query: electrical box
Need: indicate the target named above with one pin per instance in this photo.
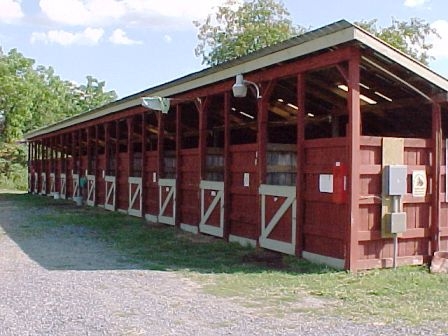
(397, 222)
(396, 176)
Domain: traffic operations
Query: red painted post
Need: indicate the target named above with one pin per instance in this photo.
(79, 151)
(144, 173)
(130, 145)
(96, 154)
(436, 171)
(106, 147)
(117, 155)
(227, 165)
(161, 144)
(202, 138)
(300, 177)
(89, 154)
(354, 134)
(29, 159)
(178, 199)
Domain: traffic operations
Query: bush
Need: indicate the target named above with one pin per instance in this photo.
(13, 166)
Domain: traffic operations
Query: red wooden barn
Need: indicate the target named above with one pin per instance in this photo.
(296, 164)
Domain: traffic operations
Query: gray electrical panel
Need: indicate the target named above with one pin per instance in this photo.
(396, 177)
(397, 222)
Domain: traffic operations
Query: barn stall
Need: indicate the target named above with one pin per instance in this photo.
(330, 146)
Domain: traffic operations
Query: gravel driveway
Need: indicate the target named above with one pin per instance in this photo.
(66, 282)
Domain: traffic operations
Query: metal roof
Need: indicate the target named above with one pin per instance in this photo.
(320, 39)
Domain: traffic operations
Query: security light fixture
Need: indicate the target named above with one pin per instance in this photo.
(240, 87)
(157, 103)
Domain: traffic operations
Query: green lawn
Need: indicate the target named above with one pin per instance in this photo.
(410, 295)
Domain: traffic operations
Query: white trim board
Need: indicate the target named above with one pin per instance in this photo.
(151, 218)
(189, 228)
(320, 259)
(242, 241)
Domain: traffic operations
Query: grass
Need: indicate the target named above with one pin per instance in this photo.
(408, 295)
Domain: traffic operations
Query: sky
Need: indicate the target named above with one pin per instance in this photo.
(134, 45)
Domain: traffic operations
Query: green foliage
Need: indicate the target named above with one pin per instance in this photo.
(32, 97)
(13, 170)
(237, 30)
(409, 37)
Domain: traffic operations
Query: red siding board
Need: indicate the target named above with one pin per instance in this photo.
(414, 243)
(151, 187)
(189, 186)
(122, 181)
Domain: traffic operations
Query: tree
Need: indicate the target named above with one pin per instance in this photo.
(237, 30)
(32, 97)
(92, 95)
(409, 37)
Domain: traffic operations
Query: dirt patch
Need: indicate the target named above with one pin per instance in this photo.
(195, 238)
(265, 258)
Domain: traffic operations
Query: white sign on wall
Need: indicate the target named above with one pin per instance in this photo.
(419, 183)
(326, 183)
(246, 179)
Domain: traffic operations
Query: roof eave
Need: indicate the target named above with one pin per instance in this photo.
(210, 76)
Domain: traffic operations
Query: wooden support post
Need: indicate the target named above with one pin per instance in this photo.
(262, 139)
(79, 152)
(52, 155)
(227, 165)
(161, 145)
(29, 158)
(117, 152)
(64, 141)
(354, 134)
(96, 151)
(202, 139)
(89, 153)
(35, 158)
(178, 200)
(130, 145)
(106, 147)
(144, 173)
(45, 148)
(300, 177)
(436, 179)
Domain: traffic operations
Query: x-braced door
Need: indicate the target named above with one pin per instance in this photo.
(91, 187)
(110, 181)
(212, 208)
(167, 201)
(52, 184)
(135, 196)
(278, 218)
(63, 185)
(43, 186)
(75, 181)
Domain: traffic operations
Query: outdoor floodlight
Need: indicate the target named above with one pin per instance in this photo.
(157, 103)
(240, 87)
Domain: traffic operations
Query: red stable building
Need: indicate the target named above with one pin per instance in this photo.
(304, 163)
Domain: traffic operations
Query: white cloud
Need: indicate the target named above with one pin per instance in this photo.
(415, 3)
(119, 37)
(167, 38)
(89, 36)
(440, 49)
(149, 13)
(10, 10)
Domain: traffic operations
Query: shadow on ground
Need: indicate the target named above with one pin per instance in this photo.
(59, 235)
